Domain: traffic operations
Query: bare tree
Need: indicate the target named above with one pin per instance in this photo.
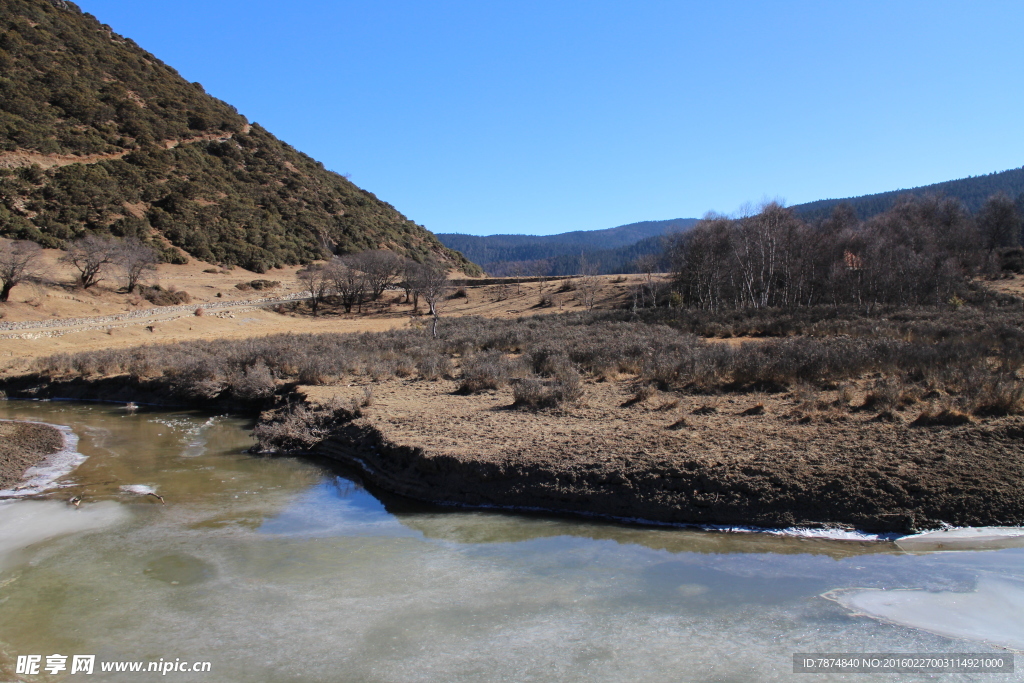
(588, 282)
(381, 267)
(433, 284)
(135, 259)
(648, 265)
(317, 281)
(540, 269)
(347, 281)
(999, 222)
(409, 270)
(91, 255)
(17, 261)
(517, 269)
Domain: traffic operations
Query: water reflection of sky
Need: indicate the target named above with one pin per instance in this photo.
(335, 507)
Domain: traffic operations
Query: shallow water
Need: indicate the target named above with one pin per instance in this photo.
(283, 570)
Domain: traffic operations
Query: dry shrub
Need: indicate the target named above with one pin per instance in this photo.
(200, 312)
(996, 395)
(297, 427)
(434, 366)
(642, 394)
(196, 378)
(566, 388)
(255, 383)
(890, 393)
(668, 405)
(164, 297)
(941, 416)
(380, 369)
(488, 371)
(846, 394)
(315, 371)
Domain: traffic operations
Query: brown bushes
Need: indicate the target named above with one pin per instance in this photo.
(296, 427)
(487, 371)
(967, 355)
(258, 285)
(162, 297)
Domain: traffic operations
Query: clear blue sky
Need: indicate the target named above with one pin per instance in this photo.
(493, 116)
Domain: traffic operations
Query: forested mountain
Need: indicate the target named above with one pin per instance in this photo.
(971, 191)
(615, 250)
(98, 135)
(612, 250)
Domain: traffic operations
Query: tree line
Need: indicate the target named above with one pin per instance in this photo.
(919, 252)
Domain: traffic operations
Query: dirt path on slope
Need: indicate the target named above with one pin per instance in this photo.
(21, 158)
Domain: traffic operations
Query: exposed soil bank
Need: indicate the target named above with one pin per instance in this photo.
(22, 445)
(655, 459)
(420, 441)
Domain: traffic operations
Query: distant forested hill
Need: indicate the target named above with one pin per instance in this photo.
(613, 250)
(98, 135)
(971, 191)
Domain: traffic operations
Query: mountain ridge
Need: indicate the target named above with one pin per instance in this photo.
(99, 136)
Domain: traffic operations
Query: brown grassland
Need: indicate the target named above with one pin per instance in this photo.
(907, 419)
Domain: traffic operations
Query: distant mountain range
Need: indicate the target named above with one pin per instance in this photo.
(615, 250)
(972, 191)
(612, 250)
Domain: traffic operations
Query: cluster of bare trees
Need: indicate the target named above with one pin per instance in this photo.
(919, 252)
(93, 256)
(355, 279)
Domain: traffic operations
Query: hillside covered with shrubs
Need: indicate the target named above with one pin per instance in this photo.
(99, 136)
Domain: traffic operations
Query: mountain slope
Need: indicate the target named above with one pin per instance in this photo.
(972, 191)
(98, 135)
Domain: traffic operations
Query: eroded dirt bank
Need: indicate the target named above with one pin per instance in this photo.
(423, 441)
(22, 445)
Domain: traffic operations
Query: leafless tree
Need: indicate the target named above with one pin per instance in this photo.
(433, 284)
(999, 222)
(588, 282)
(410, 269)
(517, 269)
(18, 259)
(647, 264)
(91, 255)
(135, 259)
(347, 281)
(315, 279)
(381, 267)
(540, 269)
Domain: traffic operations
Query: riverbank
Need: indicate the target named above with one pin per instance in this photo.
(724, 465)
(897, 423)
(22, 445)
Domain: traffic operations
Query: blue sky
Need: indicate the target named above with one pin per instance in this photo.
(531, 117)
